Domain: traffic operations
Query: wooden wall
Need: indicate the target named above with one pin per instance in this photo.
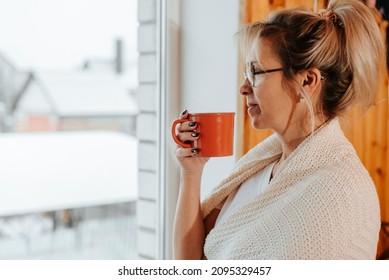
(368, 133)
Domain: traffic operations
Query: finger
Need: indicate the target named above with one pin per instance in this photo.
(186, 152)
(188, 136)
(184, 114)
(187, 126)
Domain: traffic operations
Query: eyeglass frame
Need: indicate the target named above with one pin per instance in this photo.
(258, 72)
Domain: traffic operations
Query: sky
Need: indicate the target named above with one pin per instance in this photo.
(62, 34)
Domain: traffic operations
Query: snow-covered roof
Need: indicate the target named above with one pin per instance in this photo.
(78, 93)
(53, 171)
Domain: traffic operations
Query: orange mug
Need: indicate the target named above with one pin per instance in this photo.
(216, 133)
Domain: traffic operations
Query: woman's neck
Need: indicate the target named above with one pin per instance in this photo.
(296, 134)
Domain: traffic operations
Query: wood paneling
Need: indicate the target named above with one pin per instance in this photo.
(368, 132)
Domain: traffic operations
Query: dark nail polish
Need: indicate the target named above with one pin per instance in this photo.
(184, 112)
(191, 124)
(194, 134)
(195, 150)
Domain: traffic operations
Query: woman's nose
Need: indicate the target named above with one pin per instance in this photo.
(245, 88)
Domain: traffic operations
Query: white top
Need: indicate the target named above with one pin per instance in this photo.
(249, 189)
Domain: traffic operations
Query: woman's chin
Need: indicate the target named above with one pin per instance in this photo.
(258, 123)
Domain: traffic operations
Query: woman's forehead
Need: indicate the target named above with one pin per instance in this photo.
(261, 53)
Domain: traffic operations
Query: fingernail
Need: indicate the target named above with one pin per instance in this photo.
(195, 134)
(195, 150)
(184, 112)
(192, 124)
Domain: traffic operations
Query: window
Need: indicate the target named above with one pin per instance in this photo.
(68, 74)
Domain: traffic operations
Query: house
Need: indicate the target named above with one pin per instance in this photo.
(76, 100)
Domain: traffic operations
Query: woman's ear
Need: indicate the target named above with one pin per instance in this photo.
(311, 81)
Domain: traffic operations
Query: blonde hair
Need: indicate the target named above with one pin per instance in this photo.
(342, 42)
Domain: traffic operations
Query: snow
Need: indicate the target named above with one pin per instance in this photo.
(60, 170)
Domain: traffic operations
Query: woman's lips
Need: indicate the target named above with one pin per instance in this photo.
(251, 108)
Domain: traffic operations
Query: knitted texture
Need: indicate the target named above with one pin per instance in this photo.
(322, 204)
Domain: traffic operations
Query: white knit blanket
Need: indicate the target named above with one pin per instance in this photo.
(322, 204)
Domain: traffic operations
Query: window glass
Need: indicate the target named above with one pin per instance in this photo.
(68, 73)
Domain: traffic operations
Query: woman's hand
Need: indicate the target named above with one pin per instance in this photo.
(189, 232)
(188, 158)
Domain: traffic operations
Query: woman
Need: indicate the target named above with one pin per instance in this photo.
(301, 193)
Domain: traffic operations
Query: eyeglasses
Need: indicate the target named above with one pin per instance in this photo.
(250, 72)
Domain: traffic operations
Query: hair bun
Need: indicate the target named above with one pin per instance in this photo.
(331, 16)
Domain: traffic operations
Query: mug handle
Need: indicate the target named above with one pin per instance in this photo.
(178, 141)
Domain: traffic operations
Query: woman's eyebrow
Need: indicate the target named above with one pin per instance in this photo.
(256, 64)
